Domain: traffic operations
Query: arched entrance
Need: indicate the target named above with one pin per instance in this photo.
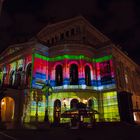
(57, 111)
(73, 103)
(7, 109)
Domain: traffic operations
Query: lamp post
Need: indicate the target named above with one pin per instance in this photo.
(36, 99)
(47, 90)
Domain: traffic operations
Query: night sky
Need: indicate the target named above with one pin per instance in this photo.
(118, 19)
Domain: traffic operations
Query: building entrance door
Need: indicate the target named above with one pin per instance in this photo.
(57, 111)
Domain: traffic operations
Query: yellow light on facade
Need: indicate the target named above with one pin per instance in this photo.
(2, 103)
(84, 101)
(64, 101)
(135, 117)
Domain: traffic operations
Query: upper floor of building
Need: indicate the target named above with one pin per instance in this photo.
(71, 54)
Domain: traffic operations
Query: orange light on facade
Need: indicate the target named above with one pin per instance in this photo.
(2, 103)
(135, 117)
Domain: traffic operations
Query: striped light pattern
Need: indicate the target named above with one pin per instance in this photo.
(39, 73)
(102, 72)
(13, 67)
(110, 105)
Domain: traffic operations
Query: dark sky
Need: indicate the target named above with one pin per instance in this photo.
(118, 19)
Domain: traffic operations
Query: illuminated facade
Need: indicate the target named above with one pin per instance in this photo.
(81, 65)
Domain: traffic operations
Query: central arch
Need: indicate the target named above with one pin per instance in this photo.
(91, 103)
(87, 75)
(73, 103)
(59, 75)
(73, 74)
(7, 109)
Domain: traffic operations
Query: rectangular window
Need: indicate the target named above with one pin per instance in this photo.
(110, 105)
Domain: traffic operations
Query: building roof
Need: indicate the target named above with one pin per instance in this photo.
(50, 28)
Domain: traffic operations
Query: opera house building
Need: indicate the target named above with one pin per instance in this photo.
(67, 63)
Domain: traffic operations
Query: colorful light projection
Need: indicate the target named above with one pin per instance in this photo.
(73, 57)
(12, 77)
(69, 57)
(5, 75)
(110, 105)
(66, 98)
(105, 74)
(15, 71)
(38, 106)
(20, 63)
(9, 71)
(104, 67)
(28, 60)
(40, 72)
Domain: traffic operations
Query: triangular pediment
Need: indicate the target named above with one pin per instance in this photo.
(14, 49)
(88, 31)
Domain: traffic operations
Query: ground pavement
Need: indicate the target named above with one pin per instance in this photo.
(104, 131)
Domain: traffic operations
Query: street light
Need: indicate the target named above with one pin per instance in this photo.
(47, 90)
(37, 99)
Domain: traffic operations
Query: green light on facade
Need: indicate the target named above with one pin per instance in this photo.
(1, 76)
(73, 57)
(105, 58)
(110, 105)
(41, 57)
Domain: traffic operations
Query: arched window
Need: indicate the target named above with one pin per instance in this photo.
(72, 31)
(4, 79)
(87, 76)
(67, 33)
(57, 111)
(73, 74)
(12, 78)
(18, 78)
(59, 75)
(28, 75)
(73, 103)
